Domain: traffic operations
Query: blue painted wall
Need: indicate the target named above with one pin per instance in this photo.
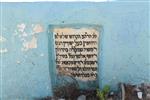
(25, 69)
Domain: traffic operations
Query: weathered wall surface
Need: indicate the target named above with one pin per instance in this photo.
(24, 44)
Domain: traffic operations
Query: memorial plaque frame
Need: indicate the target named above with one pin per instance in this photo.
(55, 78)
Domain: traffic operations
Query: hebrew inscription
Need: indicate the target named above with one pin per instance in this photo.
(77, 52)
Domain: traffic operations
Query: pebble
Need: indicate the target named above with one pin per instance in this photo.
(139, 94)
(82, 97)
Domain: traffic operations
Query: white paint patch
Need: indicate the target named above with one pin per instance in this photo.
(21, 27)
(2, 39)
(18, 62)
(37, 28)
(30, 45)
(41, 54)
(24, 34)
(3, 50)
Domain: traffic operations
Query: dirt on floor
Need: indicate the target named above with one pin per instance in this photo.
(126, 92)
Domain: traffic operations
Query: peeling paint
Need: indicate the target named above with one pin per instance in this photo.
(3, 50)
(23, 39)
(15, 32)
(30, 45)
(25, 33)
(2, 39)
(21, 27)
(38, 28)
(18, 62)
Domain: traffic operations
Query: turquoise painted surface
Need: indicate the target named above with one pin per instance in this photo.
(125, 43)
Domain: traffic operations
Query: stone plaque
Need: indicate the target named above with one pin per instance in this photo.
(77, 52)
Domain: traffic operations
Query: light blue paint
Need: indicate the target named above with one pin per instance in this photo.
(124, 44)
